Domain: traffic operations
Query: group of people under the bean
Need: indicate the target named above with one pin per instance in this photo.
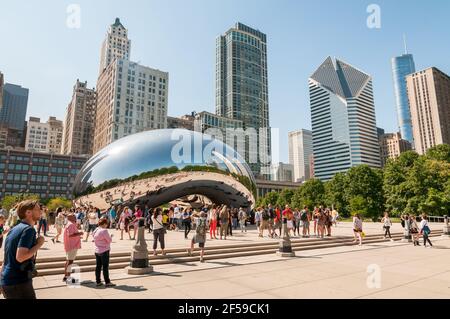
(27, 218)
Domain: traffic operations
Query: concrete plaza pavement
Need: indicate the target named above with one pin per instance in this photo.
(401, 271)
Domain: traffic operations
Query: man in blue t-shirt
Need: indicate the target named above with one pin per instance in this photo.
(21, 247)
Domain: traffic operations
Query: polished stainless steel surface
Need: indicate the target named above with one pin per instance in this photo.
(163, 165)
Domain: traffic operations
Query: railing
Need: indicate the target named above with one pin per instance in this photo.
(436, 219)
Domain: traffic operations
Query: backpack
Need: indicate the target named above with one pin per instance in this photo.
(272, 213)
(265, 215)
(201, 227)
(304, 216)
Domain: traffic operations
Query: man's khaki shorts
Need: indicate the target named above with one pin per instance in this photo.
(71, 255)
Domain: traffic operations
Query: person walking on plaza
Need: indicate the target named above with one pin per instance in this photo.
(112, 215)
(21, 247)
(242, 219)
(265, 218)
(414, 230)
(158, 231)
(230, 222)
(187, 222)
(72, 242)
(102, 243)
(271, 220)
(357, 228)
(137, 216)
(59, 224)
(277, 223)
(124, 221)
(288, 219)
(92, 222)
(258, 218)
(387, 224)
(316, 216)
(334, 216)
(297, 222)
(43, 222)
(235, 218)
(213, 222)
(305, 217)
(224, 216)
(200, 234)
(328, 222)
(425, 230)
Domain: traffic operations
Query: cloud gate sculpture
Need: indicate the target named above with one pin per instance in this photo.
(160, 166)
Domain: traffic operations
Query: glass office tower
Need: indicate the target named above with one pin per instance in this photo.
(401, 67)
(241, 88)
(343, 120)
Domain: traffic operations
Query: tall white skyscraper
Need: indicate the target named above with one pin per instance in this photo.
(115, 46)
(131, 98)
(343, 119)
(300, 150)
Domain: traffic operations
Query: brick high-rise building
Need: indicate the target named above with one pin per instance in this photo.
(79, 121)
(429, 99)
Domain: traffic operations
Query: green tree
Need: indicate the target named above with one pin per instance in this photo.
(396, 190)
(9, 201)
(271, 198)
(335, 193)
(367, 184)
(310, 194)
(285, 197)
(54, 203)
(440, 153)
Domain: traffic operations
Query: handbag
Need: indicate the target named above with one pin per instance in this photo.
(164, 228)
(426, 230)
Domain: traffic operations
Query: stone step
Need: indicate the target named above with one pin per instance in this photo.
(216, 254)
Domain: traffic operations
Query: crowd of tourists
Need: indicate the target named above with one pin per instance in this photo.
(21, 227)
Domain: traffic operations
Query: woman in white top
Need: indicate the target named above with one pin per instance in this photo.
(158, 231)
(414, 229)
(357, 228)
(93, 221)
(425, 230)
(386, 221)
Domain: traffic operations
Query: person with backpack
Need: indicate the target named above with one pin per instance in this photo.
(414, 229)
(425, 230)
(305, 218)
(200, 234)
(358, 228)
(265, 218)
(224, 216)
(242, 219)
(258, 218)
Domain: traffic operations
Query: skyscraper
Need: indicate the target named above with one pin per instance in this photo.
(79, 121)
(115, 45)
(391, 146)
(429, 97)
(2, 83)
(282, 172)
(344, 128)
(401, 67)
(300, 150)
(14, 108)
(242, 90)
(131, 98)
(44, 137)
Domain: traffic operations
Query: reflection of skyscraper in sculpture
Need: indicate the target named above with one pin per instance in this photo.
(343, 119)
(401, 67)
(242, 90)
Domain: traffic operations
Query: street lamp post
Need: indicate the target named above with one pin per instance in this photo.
(139, 264)
(285, 248)
(407, 238)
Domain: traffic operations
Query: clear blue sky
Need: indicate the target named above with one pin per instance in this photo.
(38, 50)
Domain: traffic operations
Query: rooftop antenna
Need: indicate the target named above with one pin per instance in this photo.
(404, 42)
